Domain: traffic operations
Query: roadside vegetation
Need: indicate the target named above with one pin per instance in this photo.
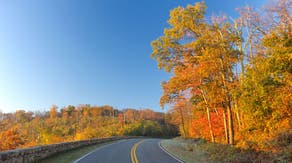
(231, 79)
(185, 149)
(199, 150)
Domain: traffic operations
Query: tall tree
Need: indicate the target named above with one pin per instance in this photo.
(202, 56)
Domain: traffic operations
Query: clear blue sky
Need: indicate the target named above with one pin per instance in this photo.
(84, 52)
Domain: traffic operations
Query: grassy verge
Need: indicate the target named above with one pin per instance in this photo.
(71, 155)
(196, 150)
(185, 149)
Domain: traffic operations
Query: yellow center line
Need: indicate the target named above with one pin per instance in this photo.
(133, 152)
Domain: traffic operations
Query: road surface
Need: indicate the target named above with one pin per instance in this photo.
(129, 151)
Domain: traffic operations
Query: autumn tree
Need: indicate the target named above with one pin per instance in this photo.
(266, 90)
(11, 139)
(53, 112)
(202, 56)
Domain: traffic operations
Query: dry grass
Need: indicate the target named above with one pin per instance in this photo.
(185, 149)
(196, 150)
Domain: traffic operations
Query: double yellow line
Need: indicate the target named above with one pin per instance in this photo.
(133, 152)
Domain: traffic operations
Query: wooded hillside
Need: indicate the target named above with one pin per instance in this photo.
(25, 129)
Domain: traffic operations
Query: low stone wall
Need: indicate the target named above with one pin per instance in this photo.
(40, 152)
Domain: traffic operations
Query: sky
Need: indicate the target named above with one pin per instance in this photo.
(85, 52)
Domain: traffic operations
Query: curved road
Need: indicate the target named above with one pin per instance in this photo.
(129, 151)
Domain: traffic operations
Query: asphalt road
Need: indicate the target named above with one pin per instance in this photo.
(129, 151)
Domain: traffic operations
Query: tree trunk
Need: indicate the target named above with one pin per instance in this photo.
(208, 116)
(182, 122)
(230, 125)
(237, 117)
(228, 104)
(250, 49)
(210, 125)
(225, 127)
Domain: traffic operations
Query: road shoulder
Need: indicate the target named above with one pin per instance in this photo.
(170, 154)
(185, 151)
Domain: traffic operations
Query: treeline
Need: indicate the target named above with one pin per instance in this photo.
(231, 77)
(25, 129)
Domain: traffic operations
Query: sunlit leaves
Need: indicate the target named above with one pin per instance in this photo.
(242, 67)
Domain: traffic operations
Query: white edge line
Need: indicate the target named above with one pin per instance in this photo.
(119, 141)
(171, 155)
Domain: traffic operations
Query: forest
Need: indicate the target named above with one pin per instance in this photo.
(231, 78)
(26, 129)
